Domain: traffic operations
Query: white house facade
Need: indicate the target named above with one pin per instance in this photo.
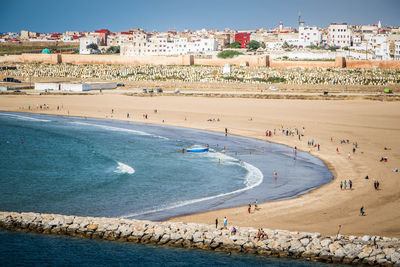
(339, 35)
(309, 36)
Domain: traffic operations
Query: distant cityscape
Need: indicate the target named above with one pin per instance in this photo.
(353, 41)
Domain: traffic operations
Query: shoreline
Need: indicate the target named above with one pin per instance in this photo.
(282, 212)
(238, 148)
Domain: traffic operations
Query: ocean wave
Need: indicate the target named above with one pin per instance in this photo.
(112, 128)
(124, 168)
(254, 177)
(19, 117)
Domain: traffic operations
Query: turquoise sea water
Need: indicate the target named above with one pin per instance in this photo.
(91, 167)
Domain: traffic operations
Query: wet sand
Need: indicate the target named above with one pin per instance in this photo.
(372, 124)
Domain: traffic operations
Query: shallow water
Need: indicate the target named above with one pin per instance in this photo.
(92, 167)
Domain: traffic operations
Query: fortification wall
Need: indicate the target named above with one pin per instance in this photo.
(10, 59)
(339, 249)
(305, 64)
(372, 64)
(127, 60)
(254, 61)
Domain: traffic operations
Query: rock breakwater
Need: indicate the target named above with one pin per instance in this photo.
(371, 250)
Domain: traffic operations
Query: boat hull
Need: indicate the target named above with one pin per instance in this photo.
(203, 149)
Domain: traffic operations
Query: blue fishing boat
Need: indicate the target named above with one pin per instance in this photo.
(197, 148)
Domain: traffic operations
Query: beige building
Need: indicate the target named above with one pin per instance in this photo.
(26, 35)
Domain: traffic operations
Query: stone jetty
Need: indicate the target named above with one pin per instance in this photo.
(368, 250)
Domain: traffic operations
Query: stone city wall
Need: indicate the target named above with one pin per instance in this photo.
(127, 60)
(32, 58)
(256, 61)
(305, 64)
(374, 250)
(372, 64)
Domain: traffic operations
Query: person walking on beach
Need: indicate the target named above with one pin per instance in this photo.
(349, 155)
(345, 184)
(249, 208)
(350, 184)
(377, 185)
(226, 131)
(216, 223)
(225, 223)
(362, 213)
(337, 150)
(256, 205)
(341, 185)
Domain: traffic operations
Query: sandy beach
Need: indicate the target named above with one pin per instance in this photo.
(374, 125)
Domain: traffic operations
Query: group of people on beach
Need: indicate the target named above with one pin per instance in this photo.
(255, 206)
(345, 184)
(212, 119)
(42, 107)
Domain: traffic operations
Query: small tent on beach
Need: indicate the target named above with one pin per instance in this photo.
(46, 51)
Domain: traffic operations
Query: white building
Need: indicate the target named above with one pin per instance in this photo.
(160, 45)
(68, 39)
(75, 87)
(339, 35)
(273, 46)
(85, 41)
(382, 51)
(397, 50)
(309, 36)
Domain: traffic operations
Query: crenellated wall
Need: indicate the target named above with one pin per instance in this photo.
(311, 246)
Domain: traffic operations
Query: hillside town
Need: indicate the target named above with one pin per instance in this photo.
(312, 42)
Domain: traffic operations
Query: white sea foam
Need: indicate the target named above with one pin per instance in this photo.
(254, 177)
(112, 128)
(123, 168)
(19, 117)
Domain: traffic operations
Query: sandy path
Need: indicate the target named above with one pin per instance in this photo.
(374, 125)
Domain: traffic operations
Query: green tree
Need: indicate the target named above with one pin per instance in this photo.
(234, 45)
(332, 48)
(229, 54)
(254, 45)
(92, 46)
(113, 49)
(285, 45)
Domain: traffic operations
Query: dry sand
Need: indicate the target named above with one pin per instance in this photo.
(374, 125)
